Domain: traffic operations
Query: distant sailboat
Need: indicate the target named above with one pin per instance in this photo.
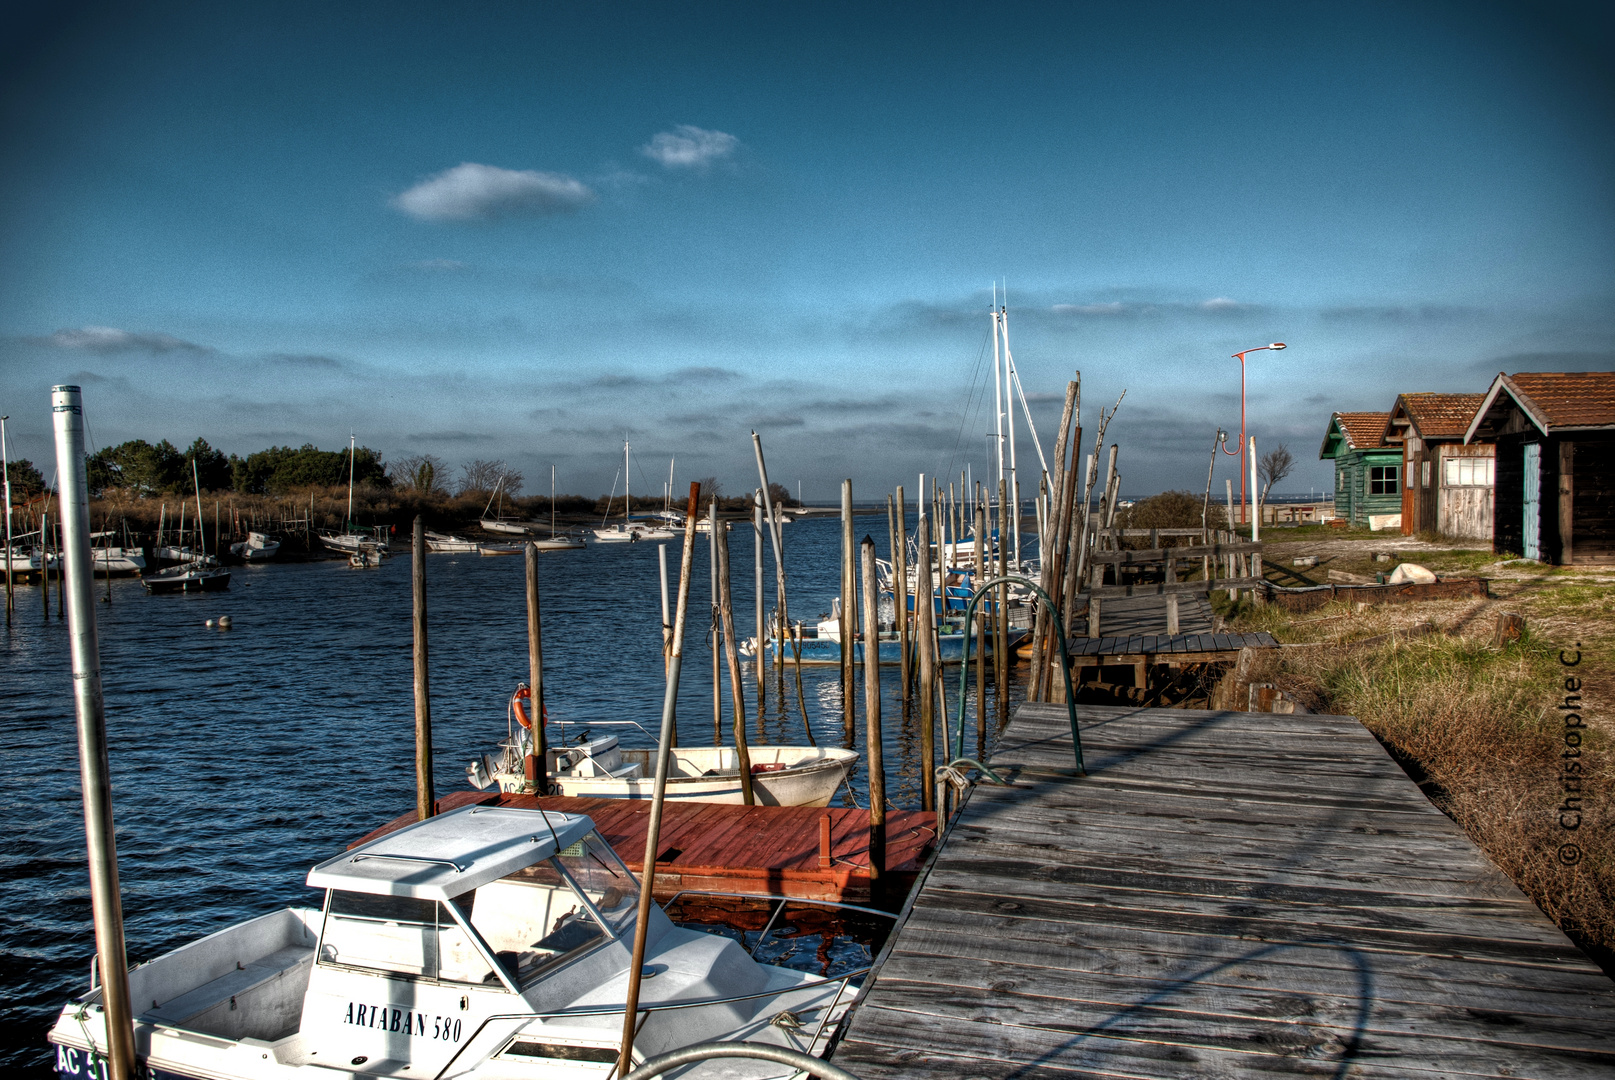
(630, 530)
(371, 542)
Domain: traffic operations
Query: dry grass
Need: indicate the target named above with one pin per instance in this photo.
(1478, 727)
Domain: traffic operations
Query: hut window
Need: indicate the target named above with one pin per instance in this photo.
(1382, 479)
(1468, 472)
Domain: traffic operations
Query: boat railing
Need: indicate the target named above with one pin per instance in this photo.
(689, 1055)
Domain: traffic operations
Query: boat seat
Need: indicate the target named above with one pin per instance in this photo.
(229, 985)
(627, 772)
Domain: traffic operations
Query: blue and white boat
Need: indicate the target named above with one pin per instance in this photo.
(487, 942)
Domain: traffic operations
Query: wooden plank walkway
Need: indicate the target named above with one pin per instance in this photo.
(725, 847)
(1129, 615)
(1225, 895)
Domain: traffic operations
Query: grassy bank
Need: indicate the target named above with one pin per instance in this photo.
(1479, 726)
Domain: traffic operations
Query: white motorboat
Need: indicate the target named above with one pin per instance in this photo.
(445, 544)
(503, 525)
(486, 942)
(255, 548)
(599, 767)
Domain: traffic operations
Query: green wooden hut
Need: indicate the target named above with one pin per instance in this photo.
(1368, 474)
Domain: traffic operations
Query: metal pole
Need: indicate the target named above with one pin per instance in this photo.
(1255, 502)
(900, 593)
(667, 617)
(653, 830)
(1009, 392)
(537, 772)
(94, 770)
(424, 801)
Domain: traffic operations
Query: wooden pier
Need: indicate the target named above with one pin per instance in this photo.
(1224, 895)
(804, 852)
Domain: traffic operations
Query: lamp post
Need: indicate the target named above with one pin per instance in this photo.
(1240, 356)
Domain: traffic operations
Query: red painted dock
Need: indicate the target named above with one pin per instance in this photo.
(724, 847)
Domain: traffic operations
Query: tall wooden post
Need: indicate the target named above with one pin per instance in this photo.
(900, 594)
(715, 619)
(424, 800)
(849, 613)
(873, 751)
(757, 585)
(536, 772)
(737, 689)
(924, 635)
(981, 632)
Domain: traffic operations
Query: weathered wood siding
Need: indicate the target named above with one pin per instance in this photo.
(1462, 512)
(1592, 494)
(1353, 500)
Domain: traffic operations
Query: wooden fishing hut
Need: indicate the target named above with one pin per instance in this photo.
(1368, 474)
(1555, 439)
(1448, 483)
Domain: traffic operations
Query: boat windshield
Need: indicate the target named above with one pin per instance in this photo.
(529, 922)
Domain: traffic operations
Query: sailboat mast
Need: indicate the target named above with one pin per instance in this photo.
(351, 454)
(998, 392)
(1014, 488)
(627, 481)
(201, 546)
(552, 502)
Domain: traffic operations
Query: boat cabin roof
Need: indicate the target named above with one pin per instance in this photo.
(452, 853)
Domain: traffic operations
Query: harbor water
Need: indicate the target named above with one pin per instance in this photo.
(241, 757)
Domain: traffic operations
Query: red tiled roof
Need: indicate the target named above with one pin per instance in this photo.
(1568, 399)
(1441, 416)
(1364, 430)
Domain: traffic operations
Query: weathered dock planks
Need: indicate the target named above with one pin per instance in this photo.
(1224, 895)
(726, 847)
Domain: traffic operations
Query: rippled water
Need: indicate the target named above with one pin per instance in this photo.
(242, 757)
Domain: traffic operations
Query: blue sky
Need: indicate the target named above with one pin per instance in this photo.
(530, 230)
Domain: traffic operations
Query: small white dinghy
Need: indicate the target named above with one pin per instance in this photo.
(486, 942)
(600, 768)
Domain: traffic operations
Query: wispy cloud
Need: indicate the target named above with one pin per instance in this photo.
(1114, 307)
(305, 360)
(107, 339)
(471, 192)
(689, 147)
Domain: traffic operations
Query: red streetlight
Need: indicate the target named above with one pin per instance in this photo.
(1240, 356)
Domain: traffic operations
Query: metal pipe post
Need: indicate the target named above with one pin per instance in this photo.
(94, 769)
(849, 613)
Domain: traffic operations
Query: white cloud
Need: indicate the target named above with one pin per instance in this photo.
(1115, 307)
(470, 191)
(1222, 303)
(107, 339)
(689, 147)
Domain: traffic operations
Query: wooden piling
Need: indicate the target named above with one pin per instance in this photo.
(715, 618)
(44, 561)
(1052, 547)
(849, 614)
(423, 698)
(873, 756)
(924, 621)
(980, 628)
(1001, 619)
(537, 764)
(737, 689)
(757, 586)
(900, 595)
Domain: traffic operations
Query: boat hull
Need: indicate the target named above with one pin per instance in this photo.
(810, 777)
(166, 581)
(951, 649)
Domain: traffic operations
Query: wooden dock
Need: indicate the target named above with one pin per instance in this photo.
(725, 847)
(1224, 895)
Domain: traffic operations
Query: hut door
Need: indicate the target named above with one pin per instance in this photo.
(1531, 533)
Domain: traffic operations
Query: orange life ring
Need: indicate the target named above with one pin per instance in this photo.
(519, 702)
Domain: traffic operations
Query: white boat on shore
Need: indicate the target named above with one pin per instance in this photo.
(446, 544)
(257, 547)
(599, 767)
(486, 942)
